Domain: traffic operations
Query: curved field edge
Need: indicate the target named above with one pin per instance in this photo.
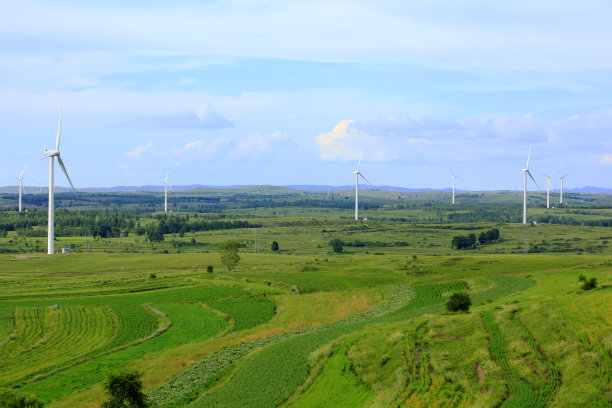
(150, 323)
(183, 330)
(288, 354)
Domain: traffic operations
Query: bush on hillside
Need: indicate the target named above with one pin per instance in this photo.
(459, 301)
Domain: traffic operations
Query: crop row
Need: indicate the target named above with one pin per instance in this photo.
(248, 312)
(7, 324)
(337, 385)
(46, 337)
(130, 324)
(190, 323)
(193, 381)
(553, 376)
(423, 387)
(521, 394)
(278, 365)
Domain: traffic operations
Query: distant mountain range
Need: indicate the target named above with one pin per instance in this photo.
(311, 187)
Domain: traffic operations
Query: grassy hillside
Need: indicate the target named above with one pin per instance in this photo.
(307, 326)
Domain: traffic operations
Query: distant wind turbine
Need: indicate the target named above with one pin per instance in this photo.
(526, 172)
(548, 177)
(51, 154)
(20, 178)
(166, 193)
(561, 195)
(454, 177)
(357, 173)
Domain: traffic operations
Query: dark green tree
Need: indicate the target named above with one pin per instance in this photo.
(125, 391)
(482, 238)
(459, 301)
(274, 246)
(228, 250)
(337, 245)
(9, 399)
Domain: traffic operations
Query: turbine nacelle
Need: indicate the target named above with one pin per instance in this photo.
(51, 153)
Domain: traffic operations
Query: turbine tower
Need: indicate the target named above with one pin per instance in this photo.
(454, 177)
(20, 178)
(548, 177)
(561, 195)
(357, 173)
(526, 172)
(51, 154)
(166, 193)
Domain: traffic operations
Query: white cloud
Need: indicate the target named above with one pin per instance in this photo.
(347, 141)
(431, 140)
(142, 150)
(606, 159)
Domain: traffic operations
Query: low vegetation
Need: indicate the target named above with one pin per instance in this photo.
(312, 309)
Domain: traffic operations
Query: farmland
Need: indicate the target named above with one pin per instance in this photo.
(308, 326)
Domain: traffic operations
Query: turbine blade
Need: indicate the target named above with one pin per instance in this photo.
(359, 163)
(59, 129)
(363, 177)
(166, 179)
(61, 163)
(24, 190)
(528, 156)
(24, 167)
(536, 183)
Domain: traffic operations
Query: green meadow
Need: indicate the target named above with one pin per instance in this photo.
(307, 325)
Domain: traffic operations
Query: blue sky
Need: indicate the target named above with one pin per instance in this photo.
(289, 92)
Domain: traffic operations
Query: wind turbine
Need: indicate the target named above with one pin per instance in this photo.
(526, 172)
(166, 193)
(20, 178)
(51, 154)
(357, 173)
(548, 188)
(561, 195)
(454, 177)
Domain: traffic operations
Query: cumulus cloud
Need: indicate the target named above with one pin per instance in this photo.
(348, 140)
(606, 159)
(205, 118)
(420, 139)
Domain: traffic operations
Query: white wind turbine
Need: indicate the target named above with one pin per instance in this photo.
(454, 177)
(51, 154)
(561, 195)
(20, 178)
(357, 173)
(526, 172)
(548, 177)
(166, 192)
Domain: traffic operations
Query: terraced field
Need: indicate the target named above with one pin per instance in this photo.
(223, 339)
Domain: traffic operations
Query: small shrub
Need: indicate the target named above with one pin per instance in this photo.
(582, 278)
(459, 301)
(274, 246)
(152, 276)
(589, 284)
(209, 269)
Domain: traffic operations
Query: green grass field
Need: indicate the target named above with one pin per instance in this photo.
(310, 327)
